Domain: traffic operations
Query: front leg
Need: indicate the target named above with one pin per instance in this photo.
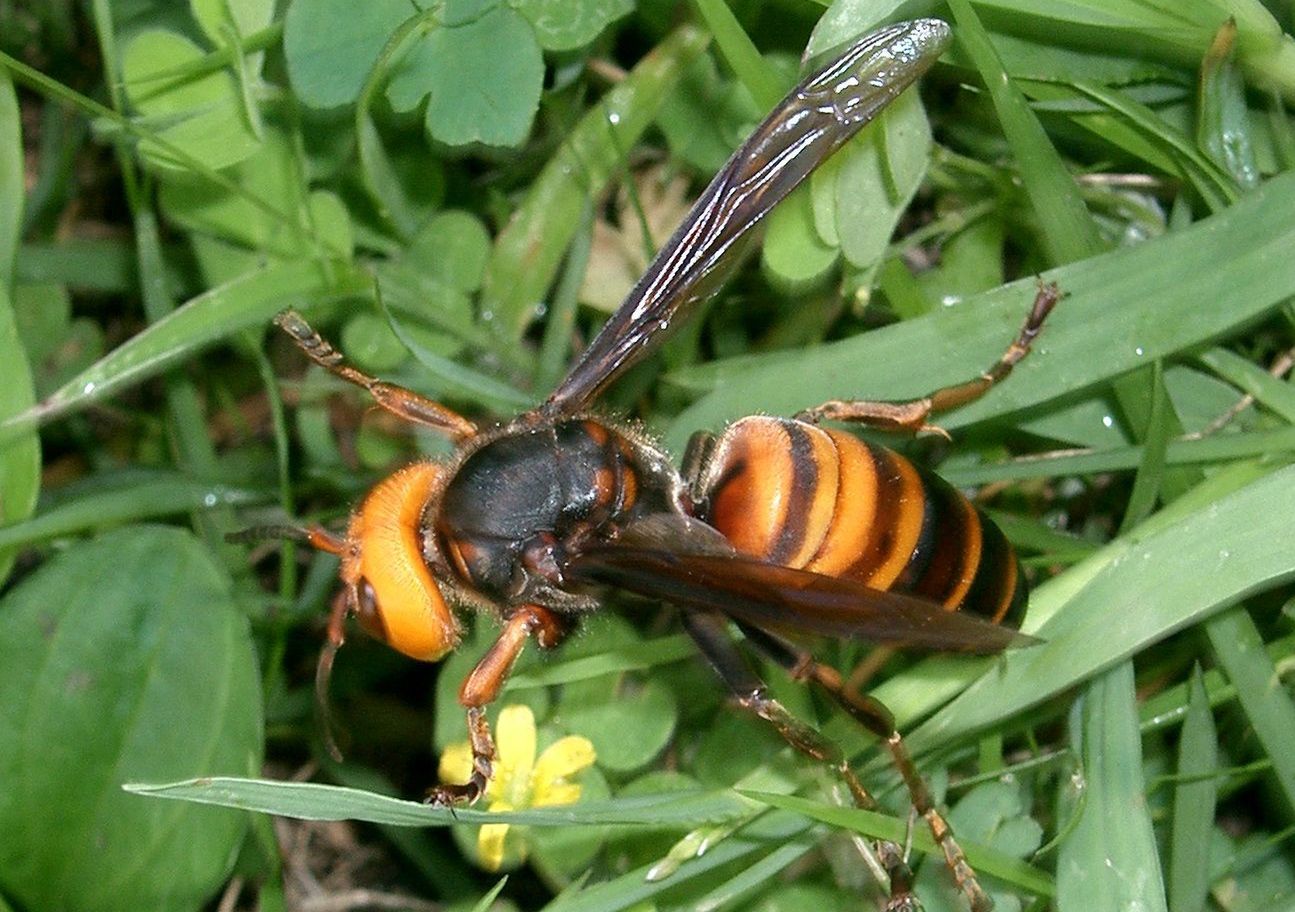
(483, 685)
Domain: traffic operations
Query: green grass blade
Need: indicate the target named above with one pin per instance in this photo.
(20, 458)
(1239, 649)
(879, 826)
(528, 252)
(138, 496)
(1194, 804)
(1069, 232)
(310, 801)
(250, 300)
(741, 54)
(1109, 860)
(1269, 391)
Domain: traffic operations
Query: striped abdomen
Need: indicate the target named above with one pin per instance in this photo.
(823, 500)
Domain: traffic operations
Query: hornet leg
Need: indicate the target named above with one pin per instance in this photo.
(910, 416)
(399, 401)
(483, 685)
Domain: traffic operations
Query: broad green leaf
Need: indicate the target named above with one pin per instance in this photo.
(219, 18)
(706, 116)
(482, 78)
(20, 459)
(875, 178)
(452, 248)
(793, 252)
(332, 45)
(125, 658)
(272, 175)
(629, 729)
(993, 814)
(201, 115)
(564, 25)
(1110, 860)
(250, 300)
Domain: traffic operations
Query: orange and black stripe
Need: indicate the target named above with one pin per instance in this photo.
(823, 500)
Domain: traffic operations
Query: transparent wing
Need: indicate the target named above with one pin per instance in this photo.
(813, 121)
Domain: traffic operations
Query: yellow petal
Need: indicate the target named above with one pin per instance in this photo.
(555, 793)
(490, 839)
(456, 764)
(563, 758)
(490, 845)
(515, 733)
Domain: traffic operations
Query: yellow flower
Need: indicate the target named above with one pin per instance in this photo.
(521, 779)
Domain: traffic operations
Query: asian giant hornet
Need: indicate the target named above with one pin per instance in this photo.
(774, 525)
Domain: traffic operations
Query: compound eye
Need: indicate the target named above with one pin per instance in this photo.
(368, 612)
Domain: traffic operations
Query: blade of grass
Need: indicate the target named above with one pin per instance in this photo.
(1069, 232)
(1109, 860)
(1151, 471)
(1240, 652)
(311, 801)
(142, 496)
(1194, 798)
(249, 300)
(737, 49)
(1275, 446)
(1136, 591)
(1269, 391)
(20, 458)
(880, 826)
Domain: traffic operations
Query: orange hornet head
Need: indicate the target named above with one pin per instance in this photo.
(387, 584)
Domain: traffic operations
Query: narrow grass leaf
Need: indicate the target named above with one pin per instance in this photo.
(629, 657)
(1069, 232)
(880, 826)
(733, 43)
(1109, 860)
(310, 801)
(1147, 483)
(20, 458)
(1194, 798)
(250, 300)
(1269, 391)
(634, 887)
(1239, 649)
(139, 496)
(1223, 119)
